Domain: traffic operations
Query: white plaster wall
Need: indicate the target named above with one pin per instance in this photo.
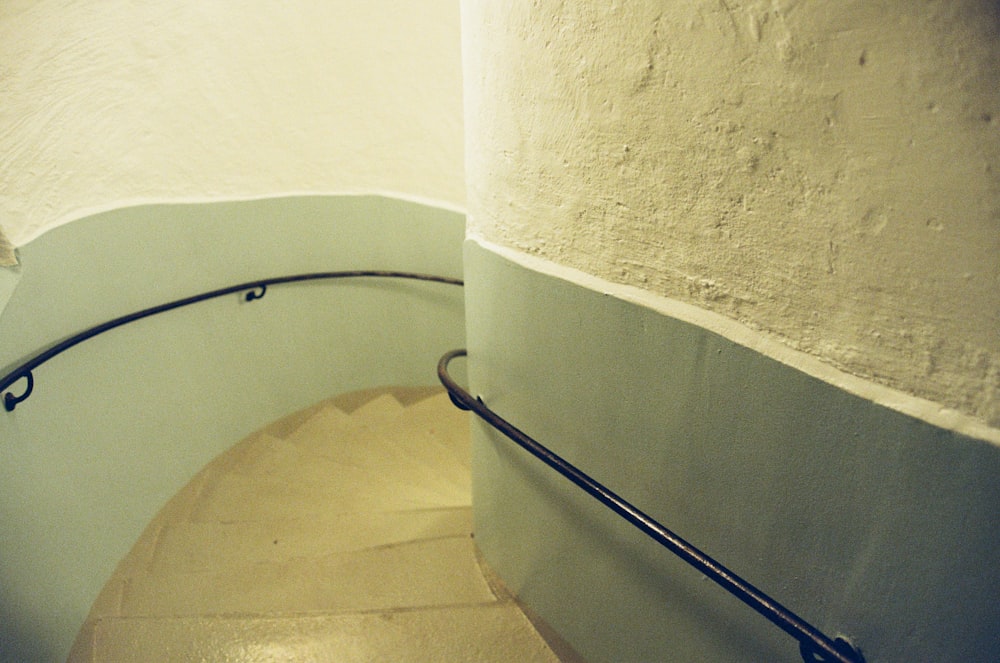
(111, 103)
(827, 174)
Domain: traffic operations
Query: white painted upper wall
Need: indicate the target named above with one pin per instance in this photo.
(827, 174)
(111, 103)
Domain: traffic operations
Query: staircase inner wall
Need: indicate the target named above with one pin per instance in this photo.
(867, 522)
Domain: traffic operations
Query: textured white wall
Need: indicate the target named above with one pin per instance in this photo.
(114, 103)
(825, 173)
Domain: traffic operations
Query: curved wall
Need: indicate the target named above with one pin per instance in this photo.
(118, 103)
(868, 523)
(739, 261)
(112, 113)
(118, 424)
(828, 175)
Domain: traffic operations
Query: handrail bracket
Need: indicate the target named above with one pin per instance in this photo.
(10, 401)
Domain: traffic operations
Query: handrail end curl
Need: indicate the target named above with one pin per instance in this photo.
(257, 292)
(10, 401)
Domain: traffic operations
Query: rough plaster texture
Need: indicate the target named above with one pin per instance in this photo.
(8, 257)
(114, 103)
(825, 173)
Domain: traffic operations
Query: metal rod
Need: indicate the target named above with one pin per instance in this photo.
(256, 291)
(812, 641)
(10, 401)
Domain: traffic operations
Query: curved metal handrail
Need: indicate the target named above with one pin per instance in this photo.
(255, 290)
(814, 646)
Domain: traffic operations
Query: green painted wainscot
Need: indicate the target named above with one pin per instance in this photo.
(118, 424)
(866, 522)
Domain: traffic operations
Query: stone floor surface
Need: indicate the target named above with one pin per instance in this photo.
(340, 533)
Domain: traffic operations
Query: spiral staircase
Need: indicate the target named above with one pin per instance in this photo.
(340, 533)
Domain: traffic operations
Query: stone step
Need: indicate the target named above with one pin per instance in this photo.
(394, 448)
(379, 410)
(374, 405)
(339, 533)
(449, 425)
(337, 461)
(439, 434)
(234, 497)
(493, 633)
(413, 574)
(331, 463)
(207, 546)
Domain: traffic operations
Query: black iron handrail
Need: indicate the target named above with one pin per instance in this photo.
(814, 646)
(254, 290)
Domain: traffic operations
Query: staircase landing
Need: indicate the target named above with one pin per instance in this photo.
(340, 533)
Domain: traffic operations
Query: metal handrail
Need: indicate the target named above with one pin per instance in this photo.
(814, 646)
(255, 290)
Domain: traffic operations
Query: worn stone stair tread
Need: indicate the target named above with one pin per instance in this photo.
(384, 407)
(494, 633)
(290, 423)
(341, 532)
(202, 546)
(349, 403)
(235, 498)
(327, 418)
(449, 424)
(272, 459)
(412, 574)
(422, 448)
(393, 449)
(441, 462)
(441, 439)
(406, 395)
(247, 451)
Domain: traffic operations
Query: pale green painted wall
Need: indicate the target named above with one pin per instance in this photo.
(117, 425)
(865, 521)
